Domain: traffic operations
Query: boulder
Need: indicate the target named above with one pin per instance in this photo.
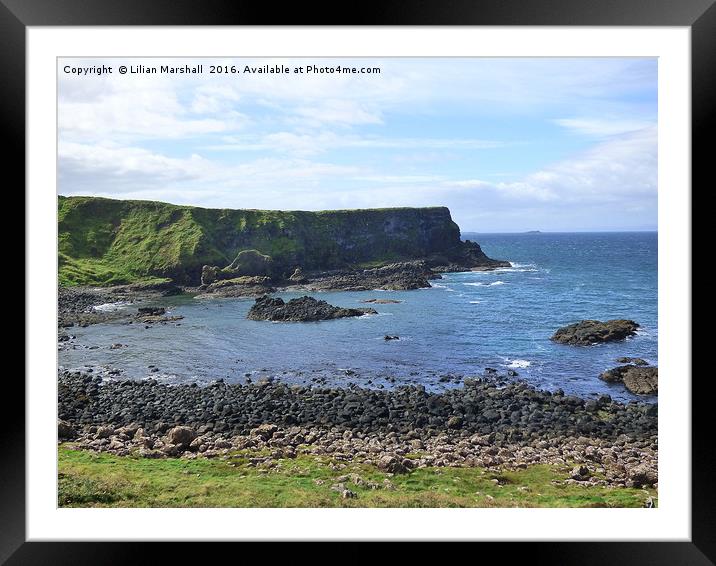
(587, 332)
(151, 311)
(642, 475)
(105, 432)
(264, 431)
(181, 436)
(640, 380)
(65, 430)
(303, 309)
(393, 464)
(209, 274)
(297, 276)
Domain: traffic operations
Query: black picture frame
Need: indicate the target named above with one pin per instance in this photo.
(698, 15)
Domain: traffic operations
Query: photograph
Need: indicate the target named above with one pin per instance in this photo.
(415, 282)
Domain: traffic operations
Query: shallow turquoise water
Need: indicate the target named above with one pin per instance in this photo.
(466, 322)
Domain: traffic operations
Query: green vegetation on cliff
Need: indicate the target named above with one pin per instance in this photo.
(104, 241)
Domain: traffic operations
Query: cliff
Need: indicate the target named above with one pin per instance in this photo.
(105, 241)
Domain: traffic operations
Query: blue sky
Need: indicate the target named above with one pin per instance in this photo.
(507, 144)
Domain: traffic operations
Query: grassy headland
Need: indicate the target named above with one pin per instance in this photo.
(105, 242)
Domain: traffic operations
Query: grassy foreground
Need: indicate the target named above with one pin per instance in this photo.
(87, 479)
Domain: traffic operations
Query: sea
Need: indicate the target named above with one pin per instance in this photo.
(463, 324)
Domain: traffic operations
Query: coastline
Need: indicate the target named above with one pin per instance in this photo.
(484, 427)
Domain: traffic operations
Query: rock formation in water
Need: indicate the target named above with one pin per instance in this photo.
(303, 309)
(588, 332)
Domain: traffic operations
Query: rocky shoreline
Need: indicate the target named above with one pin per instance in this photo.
(480, 424)
(77, 306)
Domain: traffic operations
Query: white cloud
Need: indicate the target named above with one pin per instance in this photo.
(319, 142)
(341, 112)
(602, 127)
(618, 169)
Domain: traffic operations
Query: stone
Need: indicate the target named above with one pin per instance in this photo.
(302, 309)
(588, 332)
(181, 436)
(65, 430)
(640, 380)
(642, 475)
(392, 464)
(264, 431)
(105, 431)
(151, 311)
(209, 274)
(297, 276)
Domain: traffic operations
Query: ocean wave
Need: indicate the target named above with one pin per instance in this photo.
(109, 307)
(517, 268)
(518, 363)
(475, 302)
(438, 286)
(481, 284)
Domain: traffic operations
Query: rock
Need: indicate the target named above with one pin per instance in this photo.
(209, 274)
(640, 380)
(635, 361)
(400, 276)
(382, 301)
(181, 436)
(243, 286)
(303, 309)
(587, 332)
(170, 450)
(264, 431)
(105, 431)
(151, 311)
(454, 422)
(251, 262)
(65, 430)
(297, 276)
(580, 473)
(389, 337)
(642, 475)
(392, 464)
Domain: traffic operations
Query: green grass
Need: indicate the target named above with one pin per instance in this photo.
(87, 479)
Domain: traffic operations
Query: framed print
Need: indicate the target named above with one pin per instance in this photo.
(410, 277)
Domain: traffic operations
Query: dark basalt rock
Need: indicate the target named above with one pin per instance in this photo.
(635, 361)
(151, 311)
(637, 379)
(510, 411)
(587, 332)
(303, 309)
(402, 276)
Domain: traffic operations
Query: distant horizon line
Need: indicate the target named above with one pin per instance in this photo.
(537, 232)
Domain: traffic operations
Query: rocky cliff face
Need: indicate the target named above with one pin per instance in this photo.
(103, 241)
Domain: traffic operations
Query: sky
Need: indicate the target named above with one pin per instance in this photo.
(509, 145)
